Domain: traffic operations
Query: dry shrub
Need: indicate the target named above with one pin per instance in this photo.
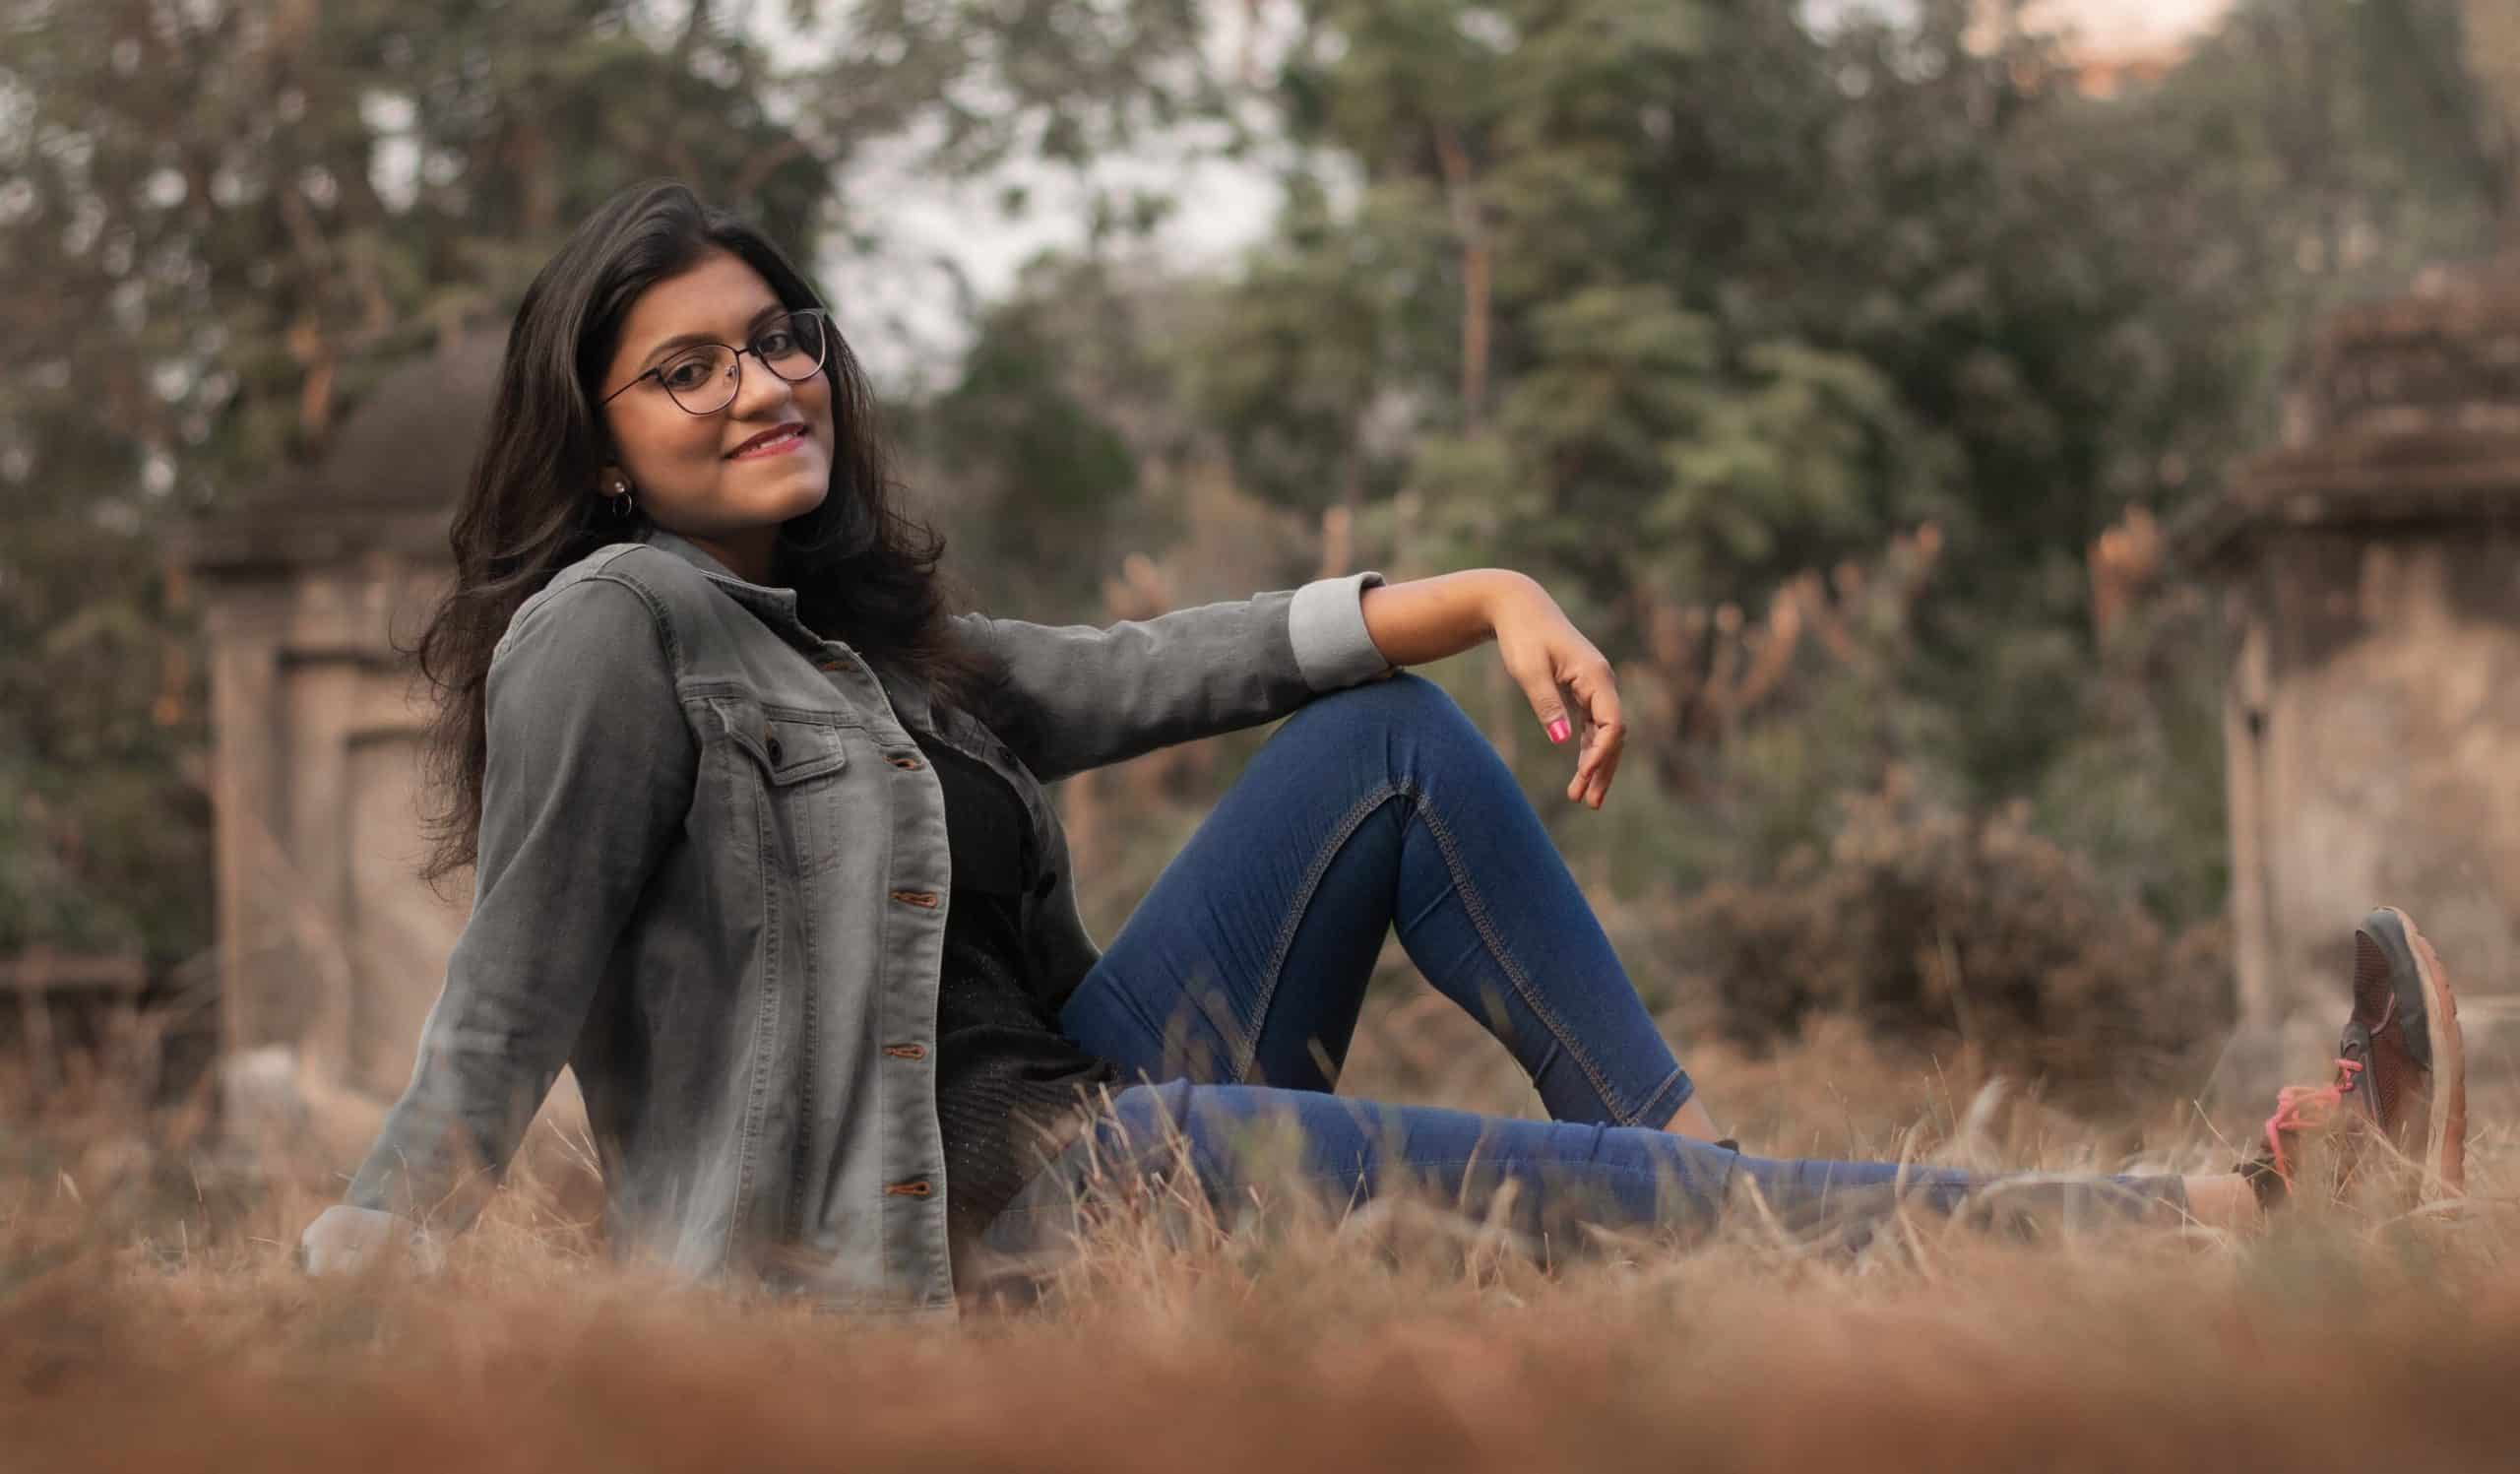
(1922, 923)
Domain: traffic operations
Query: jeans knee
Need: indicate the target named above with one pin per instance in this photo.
(1404, 702)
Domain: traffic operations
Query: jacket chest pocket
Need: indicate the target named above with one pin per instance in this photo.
(797, 759)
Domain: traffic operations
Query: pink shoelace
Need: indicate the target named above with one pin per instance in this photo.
(2294, 1108)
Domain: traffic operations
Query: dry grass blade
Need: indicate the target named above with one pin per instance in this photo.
(151, 1319)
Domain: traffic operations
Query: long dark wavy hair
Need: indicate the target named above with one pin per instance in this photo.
(862, 569)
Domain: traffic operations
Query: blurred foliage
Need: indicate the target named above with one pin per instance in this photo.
(1685, 296)
(1673, 304)
(1033, 467)
(1804, 366)
(1675, 301)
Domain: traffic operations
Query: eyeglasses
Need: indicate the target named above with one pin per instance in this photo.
(705, 377)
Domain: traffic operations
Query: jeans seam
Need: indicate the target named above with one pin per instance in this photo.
(1472, 905)
(1476, 909)
(1250, 1047)
(1679, 1076)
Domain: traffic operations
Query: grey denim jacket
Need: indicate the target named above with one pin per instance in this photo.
(712, 878)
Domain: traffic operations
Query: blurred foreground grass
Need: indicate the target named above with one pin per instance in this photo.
(151, 1319)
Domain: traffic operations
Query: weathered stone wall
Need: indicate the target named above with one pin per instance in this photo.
(2372, 717)
(2374, 748)
(327, 941)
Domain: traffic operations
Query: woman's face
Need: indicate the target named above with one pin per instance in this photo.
(715, 478)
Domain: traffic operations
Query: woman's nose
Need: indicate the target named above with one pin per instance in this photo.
(759, 393)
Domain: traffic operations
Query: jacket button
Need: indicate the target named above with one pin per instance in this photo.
(915, 1188)
(777, 753)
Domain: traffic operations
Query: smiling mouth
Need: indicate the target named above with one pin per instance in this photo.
(769, 442)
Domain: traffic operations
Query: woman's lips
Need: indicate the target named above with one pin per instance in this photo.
(777, 445)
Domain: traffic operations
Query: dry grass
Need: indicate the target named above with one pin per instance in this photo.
(149, 1318)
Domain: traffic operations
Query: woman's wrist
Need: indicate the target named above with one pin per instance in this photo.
(1501, 591)
(1426, 619)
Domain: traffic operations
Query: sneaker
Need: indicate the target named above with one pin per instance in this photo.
(2401, 1079)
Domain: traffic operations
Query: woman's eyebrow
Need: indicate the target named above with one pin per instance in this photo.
(686, 340)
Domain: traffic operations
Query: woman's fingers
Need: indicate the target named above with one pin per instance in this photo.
(1597, 690)
(1540, 688)
(1557, 662)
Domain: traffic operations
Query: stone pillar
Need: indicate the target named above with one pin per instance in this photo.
(331, 948)
(2372, 719)
(403, 931)
(243, 633)
(2244, 712)
(321, 703)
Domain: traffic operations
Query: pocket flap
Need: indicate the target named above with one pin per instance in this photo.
(788, 749)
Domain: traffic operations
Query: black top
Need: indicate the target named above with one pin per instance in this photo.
(1004, 1072)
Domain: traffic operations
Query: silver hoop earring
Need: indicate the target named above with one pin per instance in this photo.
(622, 505)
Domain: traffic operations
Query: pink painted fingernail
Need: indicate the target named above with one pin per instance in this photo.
(1557, 730)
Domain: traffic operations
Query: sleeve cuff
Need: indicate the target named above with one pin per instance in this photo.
(1327, 623)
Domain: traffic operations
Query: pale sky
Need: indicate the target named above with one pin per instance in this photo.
(2108, 27)
(949, 239)
(2111, 26)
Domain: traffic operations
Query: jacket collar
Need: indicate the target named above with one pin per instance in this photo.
(907, 699)
(756, 595)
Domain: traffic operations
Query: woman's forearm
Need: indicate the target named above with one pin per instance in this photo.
(1425, 620)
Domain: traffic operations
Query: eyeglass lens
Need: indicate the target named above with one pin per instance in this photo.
(705, 380)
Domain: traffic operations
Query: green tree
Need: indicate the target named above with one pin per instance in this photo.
(1043, 484)
(1676, 300)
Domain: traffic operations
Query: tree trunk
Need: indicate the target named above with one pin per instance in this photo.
(1459, 194)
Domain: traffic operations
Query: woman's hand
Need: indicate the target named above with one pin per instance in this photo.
(1550, 659)
(343, 1239)
(1429, 618)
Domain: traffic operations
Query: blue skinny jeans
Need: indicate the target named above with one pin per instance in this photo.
(1233, 992)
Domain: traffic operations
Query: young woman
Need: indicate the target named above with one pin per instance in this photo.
(761, 850)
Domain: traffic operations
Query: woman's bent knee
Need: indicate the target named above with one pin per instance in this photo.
(1404, 702)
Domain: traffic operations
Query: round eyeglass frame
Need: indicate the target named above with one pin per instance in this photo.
(736, 380)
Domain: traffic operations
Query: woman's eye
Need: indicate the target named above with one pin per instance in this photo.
(776, 345)
(691, 374)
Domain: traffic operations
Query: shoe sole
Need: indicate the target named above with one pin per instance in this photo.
(2411, 955)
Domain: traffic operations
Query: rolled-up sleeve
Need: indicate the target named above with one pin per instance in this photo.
(1326, 621)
